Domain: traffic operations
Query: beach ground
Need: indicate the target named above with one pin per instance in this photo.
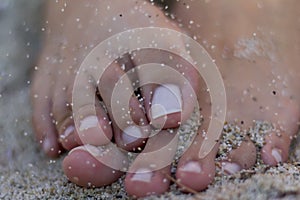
(25, 173)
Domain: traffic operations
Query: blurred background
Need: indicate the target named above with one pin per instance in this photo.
(19, 44)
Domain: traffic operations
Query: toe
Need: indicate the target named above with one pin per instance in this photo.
(68, 135)
(43, 125)
(117, 90)
(132, 138)
(194, 173)
(62, 113)
(277, 142)
(144, 182)
(276, 149)
(92, 123)
(169, 87)
(234, 162)
(94, 126)
(88, 166)
(150, 170)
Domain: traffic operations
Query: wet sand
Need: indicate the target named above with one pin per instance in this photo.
(25, 173)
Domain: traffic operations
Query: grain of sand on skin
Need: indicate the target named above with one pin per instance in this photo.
(25, 173)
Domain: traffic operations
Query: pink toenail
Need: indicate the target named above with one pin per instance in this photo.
(131, 134)
(277, 155)
(67, 132)
(143, 174)
(88, 122)
(166, 100)
(94, 151)
(231, 168)
(191, 167)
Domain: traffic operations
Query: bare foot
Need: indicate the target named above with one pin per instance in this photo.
(71, 32)
(256, 52)
(257, 59)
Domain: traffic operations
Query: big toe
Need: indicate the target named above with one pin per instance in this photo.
(44, 128)
(276, 149)
(89, 166)
(278, 140)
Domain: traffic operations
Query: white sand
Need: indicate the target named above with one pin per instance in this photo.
(25, 173)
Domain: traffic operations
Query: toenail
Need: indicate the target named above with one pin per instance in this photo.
(88, 122)
(143, 174)
(94, 151)
(46, 145)
(67, 132)
(277, 155)
(231, 168)
(166, 100)
(131, 134)
(191, 167)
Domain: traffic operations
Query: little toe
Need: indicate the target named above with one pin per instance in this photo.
(150, 170)
(43, 125)
(88, 166)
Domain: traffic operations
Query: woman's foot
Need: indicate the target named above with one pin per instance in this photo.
(258, 88)
(71, 32)
(256, 52)
(259, 64)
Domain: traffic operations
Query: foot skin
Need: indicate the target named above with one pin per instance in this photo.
(258, 88)
(67, 43)
(258, 62)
